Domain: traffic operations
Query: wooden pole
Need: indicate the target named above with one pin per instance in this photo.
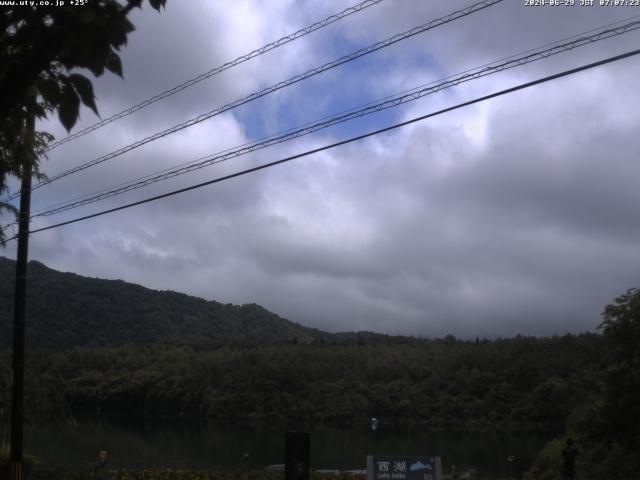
(17, 390)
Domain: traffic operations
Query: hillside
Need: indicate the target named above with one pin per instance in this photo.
(66, 310)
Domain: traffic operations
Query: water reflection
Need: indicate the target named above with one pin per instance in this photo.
(163, 443)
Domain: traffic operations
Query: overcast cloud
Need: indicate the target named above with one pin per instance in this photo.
(517, 215)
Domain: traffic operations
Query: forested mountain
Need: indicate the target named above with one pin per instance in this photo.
(510, 383)
(170, 353)
(66, 310)
(120, 348)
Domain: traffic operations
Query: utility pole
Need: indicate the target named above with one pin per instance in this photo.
(16, 471)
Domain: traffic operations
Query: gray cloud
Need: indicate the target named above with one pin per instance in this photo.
(514, 216)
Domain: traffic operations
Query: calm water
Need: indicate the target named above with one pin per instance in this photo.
(187, 444)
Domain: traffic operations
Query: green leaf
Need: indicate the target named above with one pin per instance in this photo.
(39, 111)
(49, 89)
(69, 108)
(135, 3)
(157, 4)
(114, 64)
(128, 26)
(95, 65)
(118, 29)
(85, 89)
(8, 206)
(87, 15)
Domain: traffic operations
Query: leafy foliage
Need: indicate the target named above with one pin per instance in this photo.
(41, 47)
(28, 461)
(608, 423)
(418, 384)
(41, 472)
(547, 465)
(170, 354)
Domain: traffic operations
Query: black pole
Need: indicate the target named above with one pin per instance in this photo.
(17, 391)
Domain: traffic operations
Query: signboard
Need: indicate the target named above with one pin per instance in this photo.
(403, 468)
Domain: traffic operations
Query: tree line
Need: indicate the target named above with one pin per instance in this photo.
(606, 425)
(508, 383)
(584, 386)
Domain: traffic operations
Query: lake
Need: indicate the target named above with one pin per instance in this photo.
(162, 443)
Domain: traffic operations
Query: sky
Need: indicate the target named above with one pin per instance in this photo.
(517, 215)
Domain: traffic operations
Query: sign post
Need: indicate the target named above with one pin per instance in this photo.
(386, 467)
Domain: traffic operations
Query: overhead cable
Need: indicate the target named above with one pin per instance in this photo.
(344, 142)
(254, 96)
(214, 71)
(388, 102)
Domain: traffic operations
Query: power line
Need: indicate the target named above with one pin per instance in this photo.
(254, 96)
(349, 140)
(555, 43)
(388, 102)
(214, 71)
(67, 202)
(620, 29)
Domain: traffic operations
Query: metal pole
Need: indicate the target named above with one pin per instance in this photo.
(17, 391)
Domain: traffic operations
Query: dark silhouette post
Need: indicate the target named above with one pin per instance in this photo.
(297, 456)
(2, 429)
(246, 461)
(17, 387)
(569, 454)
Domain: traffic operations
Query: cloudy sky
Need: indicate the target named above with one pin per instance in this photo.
(516, 215)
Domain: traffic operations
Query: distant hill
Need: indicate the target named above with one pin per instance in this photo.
(66, 310)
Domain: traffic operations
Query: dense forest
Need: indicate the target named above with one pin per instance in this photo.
(521, 382)
(263, 368)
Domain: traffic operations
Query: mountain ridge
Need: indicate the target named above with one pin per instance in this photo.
(100, 312)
